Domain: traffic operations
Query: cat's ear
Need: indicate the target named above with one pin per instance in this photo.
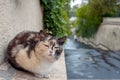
(42, 34)
(62, 40)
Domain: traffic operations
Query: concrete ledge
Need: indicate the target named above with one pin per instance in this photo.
(111, 21)
(9, 73)
(108, 20)
(108, 35)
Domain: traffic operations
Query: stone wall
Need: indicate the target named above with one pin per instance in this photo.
(16, 16)
(108, 35)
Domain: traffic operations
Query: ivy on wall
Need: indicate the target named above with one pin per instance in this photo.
(56, 16)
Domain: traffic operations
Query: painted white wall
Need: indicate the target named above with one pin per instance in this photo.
(16, 16)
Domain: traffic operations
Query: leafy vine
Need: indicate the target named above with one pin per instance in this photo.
(56, 16)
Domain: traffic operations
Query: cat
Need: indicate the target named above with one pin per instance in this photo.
(35, 52)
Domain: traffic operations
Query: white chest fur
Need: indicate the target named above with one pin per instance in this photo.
(44, 68)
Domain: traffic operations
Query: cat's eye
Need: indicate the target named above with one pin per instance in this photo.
(46, 45)
(56, 47)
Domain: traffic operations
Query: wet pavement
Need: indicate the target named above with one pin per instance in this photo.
(85, 62)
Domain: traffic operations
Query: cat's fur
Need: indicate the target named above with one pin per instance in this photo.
(35, 52)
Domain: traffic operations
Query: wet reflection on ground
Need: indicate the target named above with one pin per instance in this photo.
(83, 62)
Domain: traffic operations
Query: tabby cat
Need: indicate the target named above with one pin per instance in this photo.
(35, 52)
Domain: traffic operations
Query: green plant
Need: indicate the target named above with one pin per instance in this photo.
(88, 21)
(90, 16)
(56, 16)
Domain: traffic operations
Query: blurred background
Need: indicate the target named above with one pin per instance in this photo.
(92, 50)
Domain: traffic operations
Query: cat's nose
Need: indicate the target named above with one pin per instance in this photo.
(51, 53)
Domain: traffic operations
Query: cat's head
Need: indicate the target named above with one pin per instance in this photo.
(50, 47)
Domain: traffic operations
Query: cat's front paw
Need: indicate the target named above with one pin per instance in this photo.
(43, 75)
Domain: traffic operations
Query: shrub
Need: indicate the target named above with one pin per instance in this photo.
(56, 16)
(90, 16)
